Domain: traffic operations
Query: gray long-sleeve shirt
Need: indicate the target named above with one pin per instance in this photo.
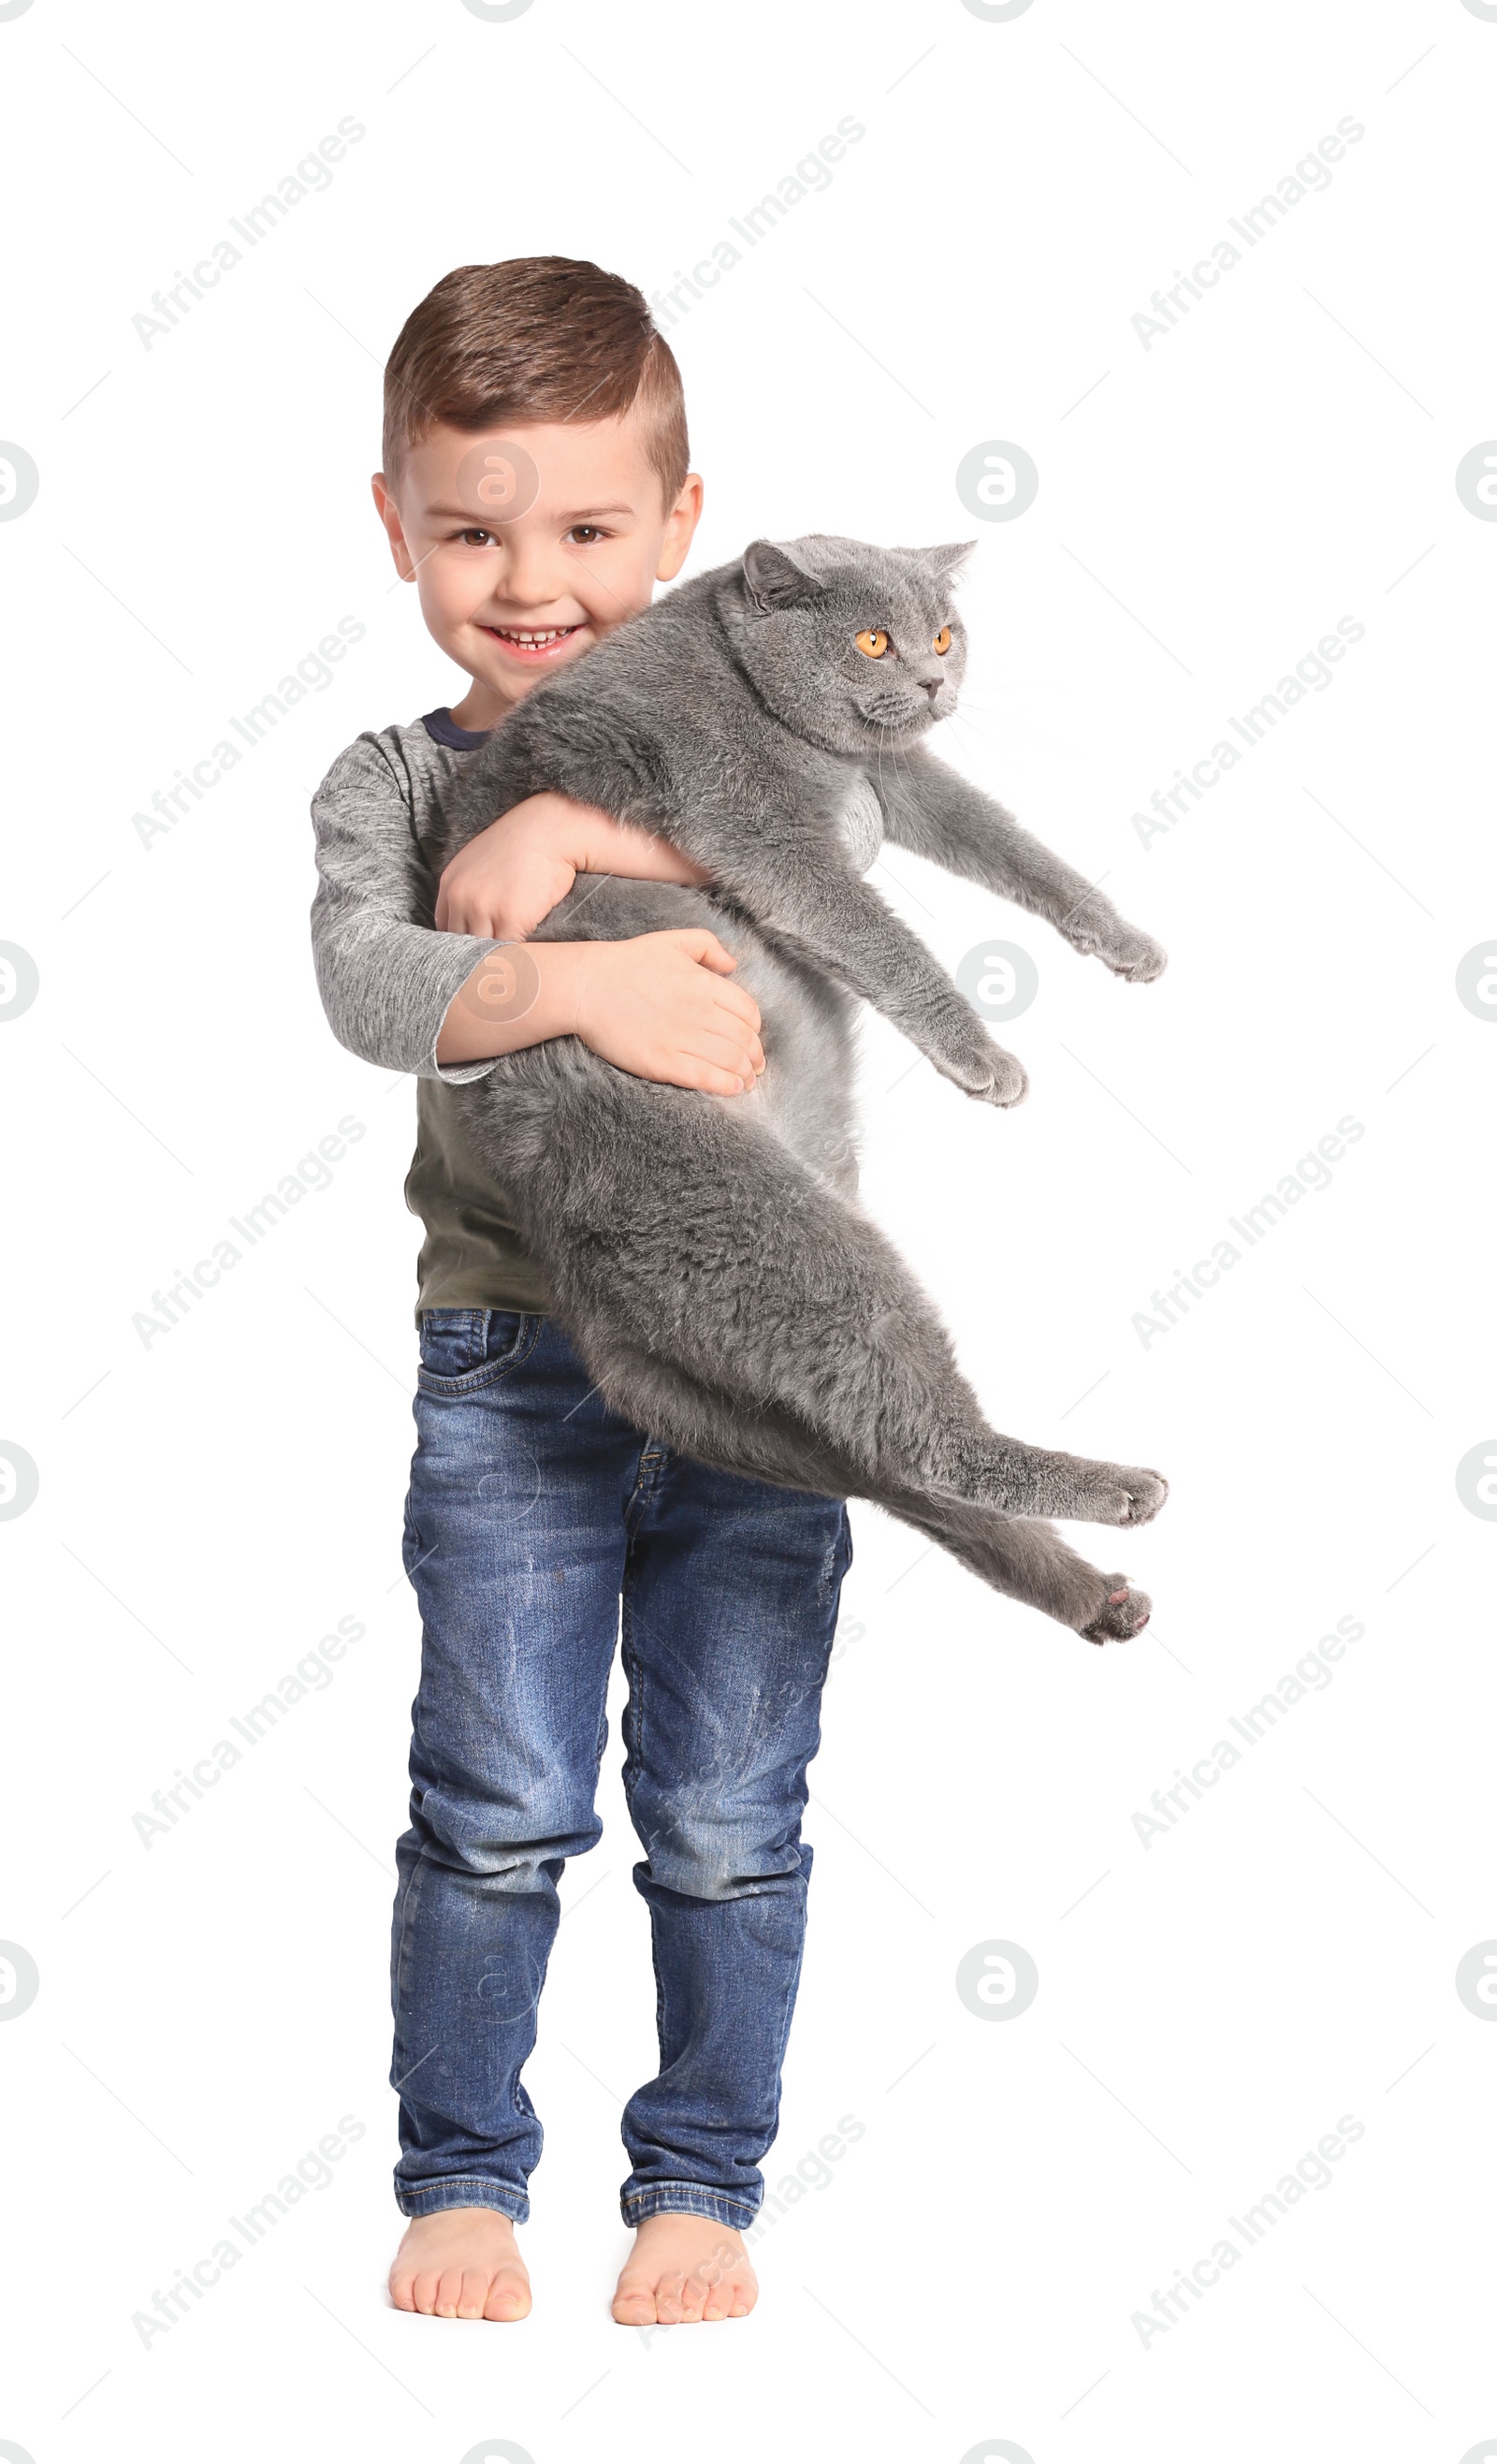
(386, 978)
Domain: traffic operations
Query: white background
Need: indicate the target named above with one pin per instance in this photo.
(1211, 2003)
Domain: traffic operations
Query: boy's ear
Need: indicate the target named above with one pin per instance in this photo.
(941, 563)
(775, 580)
(390, 515)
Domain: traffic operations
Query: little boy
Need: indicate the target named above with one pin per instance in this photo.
(539, 389)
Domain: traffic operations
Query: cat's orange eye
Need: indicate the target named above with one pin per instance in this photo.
(943, 641)
(874, 643)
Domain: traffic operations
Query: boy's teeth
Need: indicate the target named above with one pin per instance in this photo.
(533, 641)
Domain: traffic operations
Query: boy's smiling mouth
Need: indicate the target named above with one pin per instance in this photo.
(531, 642)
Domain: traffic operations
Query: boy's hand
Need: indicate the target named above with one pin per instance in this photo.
(506, 881)
(661, 1007)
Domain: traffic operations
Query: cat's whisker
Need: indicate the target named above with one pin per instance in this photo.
(894, 752)
(1014, 731)
(989, 710)
(1004, 716)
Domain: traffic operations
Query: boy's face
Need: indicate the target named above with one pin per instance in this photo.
(529, 544)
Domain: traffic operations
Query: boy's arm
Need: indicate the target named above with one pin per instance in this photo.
(660, 1006)
(508, 878)
(392, 986)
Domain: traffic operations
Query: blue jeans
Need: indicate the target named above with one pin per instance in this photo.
(532, 1509)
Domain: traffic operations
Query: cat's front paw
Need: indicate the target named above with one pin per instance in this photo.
(1008, 1085)
(965, 1053)
(1131, 955)
(995, 1079)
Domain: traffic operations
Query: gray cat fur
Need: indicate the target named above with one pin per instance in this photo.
(706, 1253)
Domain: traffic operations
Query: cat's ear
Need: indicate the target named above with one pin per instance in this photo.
(775, 580)
(941, 563)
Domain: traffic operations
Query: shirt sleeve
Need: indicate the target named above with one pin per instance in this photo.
(385, 974)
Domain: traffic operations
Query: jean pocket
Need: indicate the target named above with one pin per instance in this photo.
(464, 1349)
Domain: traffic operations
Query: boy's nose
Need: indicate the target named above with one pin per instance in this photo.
(528, 578)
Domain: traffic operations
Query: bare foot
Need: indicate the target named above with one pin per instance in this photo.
(461, 2263)
(682, 2269)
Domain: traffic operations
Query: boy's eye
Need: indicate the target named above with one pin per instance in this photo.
(583, 533)
(943, 641)
(476, 539)
(873, 643)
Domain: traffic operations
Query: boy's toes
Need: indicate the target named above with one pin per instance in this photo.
(733, 2296)
(635, 2305)
(460, 2263)
(669, 2309)
(508, 2298)
(449, 2292)
(684, 2269)
(694, 2295)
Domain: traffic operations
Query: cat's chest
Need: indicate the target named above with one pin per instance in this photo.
(861, 825)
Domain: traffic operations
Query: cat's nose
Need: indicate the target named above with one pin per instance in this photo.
(932, 684)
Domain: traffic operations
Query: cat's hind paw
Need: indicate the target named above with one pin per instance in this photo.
(1123, 1614)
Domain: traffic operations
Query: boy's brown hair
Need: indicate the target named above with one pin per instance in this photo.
(536, 337)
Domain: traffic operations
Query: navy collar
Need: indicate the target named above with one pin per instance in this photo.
(443, 729)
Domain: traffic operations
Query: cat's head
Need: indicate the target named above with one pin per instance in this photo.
(853, 646)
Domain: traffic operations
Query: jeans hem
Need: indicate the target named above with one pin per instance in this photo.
(687, 2199)
(462, 2190)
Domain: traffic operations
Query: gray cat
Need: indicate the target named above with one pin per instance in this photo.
(705, 1253)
